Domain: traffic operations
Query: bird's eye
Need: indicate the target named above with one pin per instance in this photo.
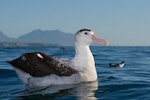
(85, 33)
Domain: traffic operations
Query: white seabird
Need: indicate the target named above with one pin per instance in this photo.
(37, 69)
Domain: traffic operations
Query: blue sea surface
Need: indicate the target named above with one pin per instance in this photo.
(132, 82)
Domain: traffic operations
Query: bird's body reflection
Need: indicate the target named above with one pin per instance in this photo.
(81, 91)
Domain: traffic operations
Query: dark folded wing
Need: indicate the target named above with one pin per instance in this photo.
(39, 64)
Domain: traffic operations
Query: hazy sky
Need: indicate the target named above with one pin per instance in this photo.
(122, 22)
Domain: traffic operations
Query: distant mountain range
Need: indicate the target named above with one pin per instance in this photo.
(56, 37)
(3, 37)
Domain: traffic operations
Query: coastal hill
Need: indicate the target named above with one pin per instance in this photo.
(54, 37)
(3, 37)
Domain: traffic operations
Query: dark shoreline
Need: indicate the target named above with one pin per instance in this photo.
(21, 44)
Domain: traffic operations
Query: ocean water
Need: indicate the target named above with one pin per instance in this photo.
(132, 82)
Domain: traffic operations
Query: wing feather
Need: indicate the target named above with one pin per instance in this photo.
(39, 64)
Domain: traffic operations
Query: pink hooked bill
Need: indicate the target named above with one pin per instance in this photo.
(100, 41)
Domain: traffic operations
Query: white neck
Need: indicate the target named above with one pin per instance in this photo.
(84, 62)
(82, 51)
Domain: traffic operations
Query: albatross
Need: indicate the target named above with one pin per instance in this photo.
(36, 69)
